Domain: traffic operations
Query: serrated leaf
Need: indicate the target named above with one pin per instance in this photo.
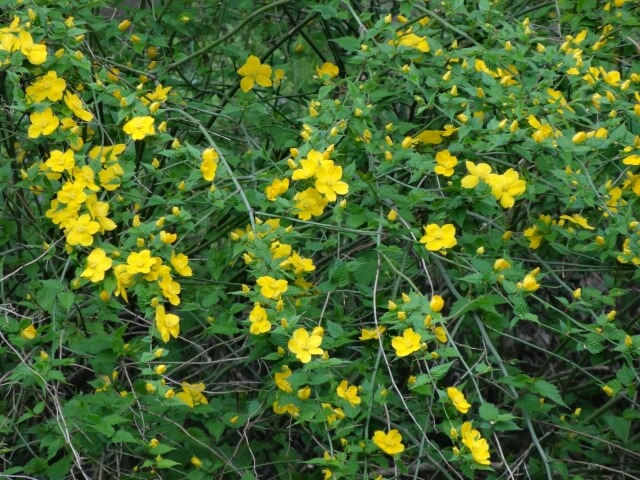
(348, 43)
(547, 390)
(506, 426)
(488, 412)
(166, 463)
(440, 371)
(619, 426)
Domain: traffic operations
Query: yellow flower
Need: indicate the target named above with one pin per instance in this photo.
(74, 102)
(303, 345)
(439, 238)
(309, 202)
(440, 334)
(506, 187)
(59, 161)
(289, 408)
(476, 444)
(180, 264)
(191, 394)
(406, 344)
(309, 165)
(80, 231)
(140, 262)
(328, 182)
(390, 443)
(529, 283)
(97, 264)
(277, 188)
(168, 238)
(167, 324)
(349, 393)
(631, 160)
(42, 123)
(304, 393)
(254, 72)
(458, 400)
(327, 69)
(501, 264)
(48, 86)
(139, 127)
(281, 379)
(271, 288)
(578, 220)
(259, 320)
(279, 250)
(414, 41)
(196, 462)
(29, 333)
(608, 390)
(476, 173)
(170, 289)
(445, 163)
(35, 52)
(209, 164)
(436, 304)
(372, 334)
(298, 264)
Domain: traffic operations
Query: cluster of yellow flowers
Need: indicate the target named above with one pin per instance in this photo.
(327, 186)
(504, 187)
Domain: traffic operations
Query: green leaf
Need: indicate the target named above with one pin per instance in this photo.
(488, 412)
(166, 463)
(619, 426)
(547, 390)
(440, 371)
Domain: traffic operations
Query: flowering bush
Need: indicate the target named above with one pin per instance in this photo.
(319, 238)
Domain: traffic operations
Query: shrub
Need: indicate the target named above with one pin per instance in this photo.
(273, 240)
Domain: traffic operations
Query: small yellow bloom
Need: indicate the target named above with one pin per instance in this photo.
(29, 333)
(608, 390)
(390, 443)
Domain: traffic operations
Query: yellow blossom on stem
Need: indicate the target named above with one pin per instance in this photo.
(506, 187)
(303, 345)
(372, 334)
(390, 443)
(167, 324)
(259, 320)
(406, 344)
(49, 86)
(74, 102)
(80, 231)
(459, 402)
(281, 379)
(35, 52)
(192, 395)
(140, 262)
(42, 123)
(180, 264)
(209, 164)
(309, 202)
(97, 264)
(445, 163)
(328, 182)
(139, 127)
(254, 72)
(436, 303)
(477, 445)
(348, 393)
(277, 188)
(477, 172)
(29, 332)
(271, 288)
(327, 70)
(439, 238)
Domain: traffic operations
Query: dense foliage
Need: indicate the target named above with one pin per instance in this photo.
(330, 239)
